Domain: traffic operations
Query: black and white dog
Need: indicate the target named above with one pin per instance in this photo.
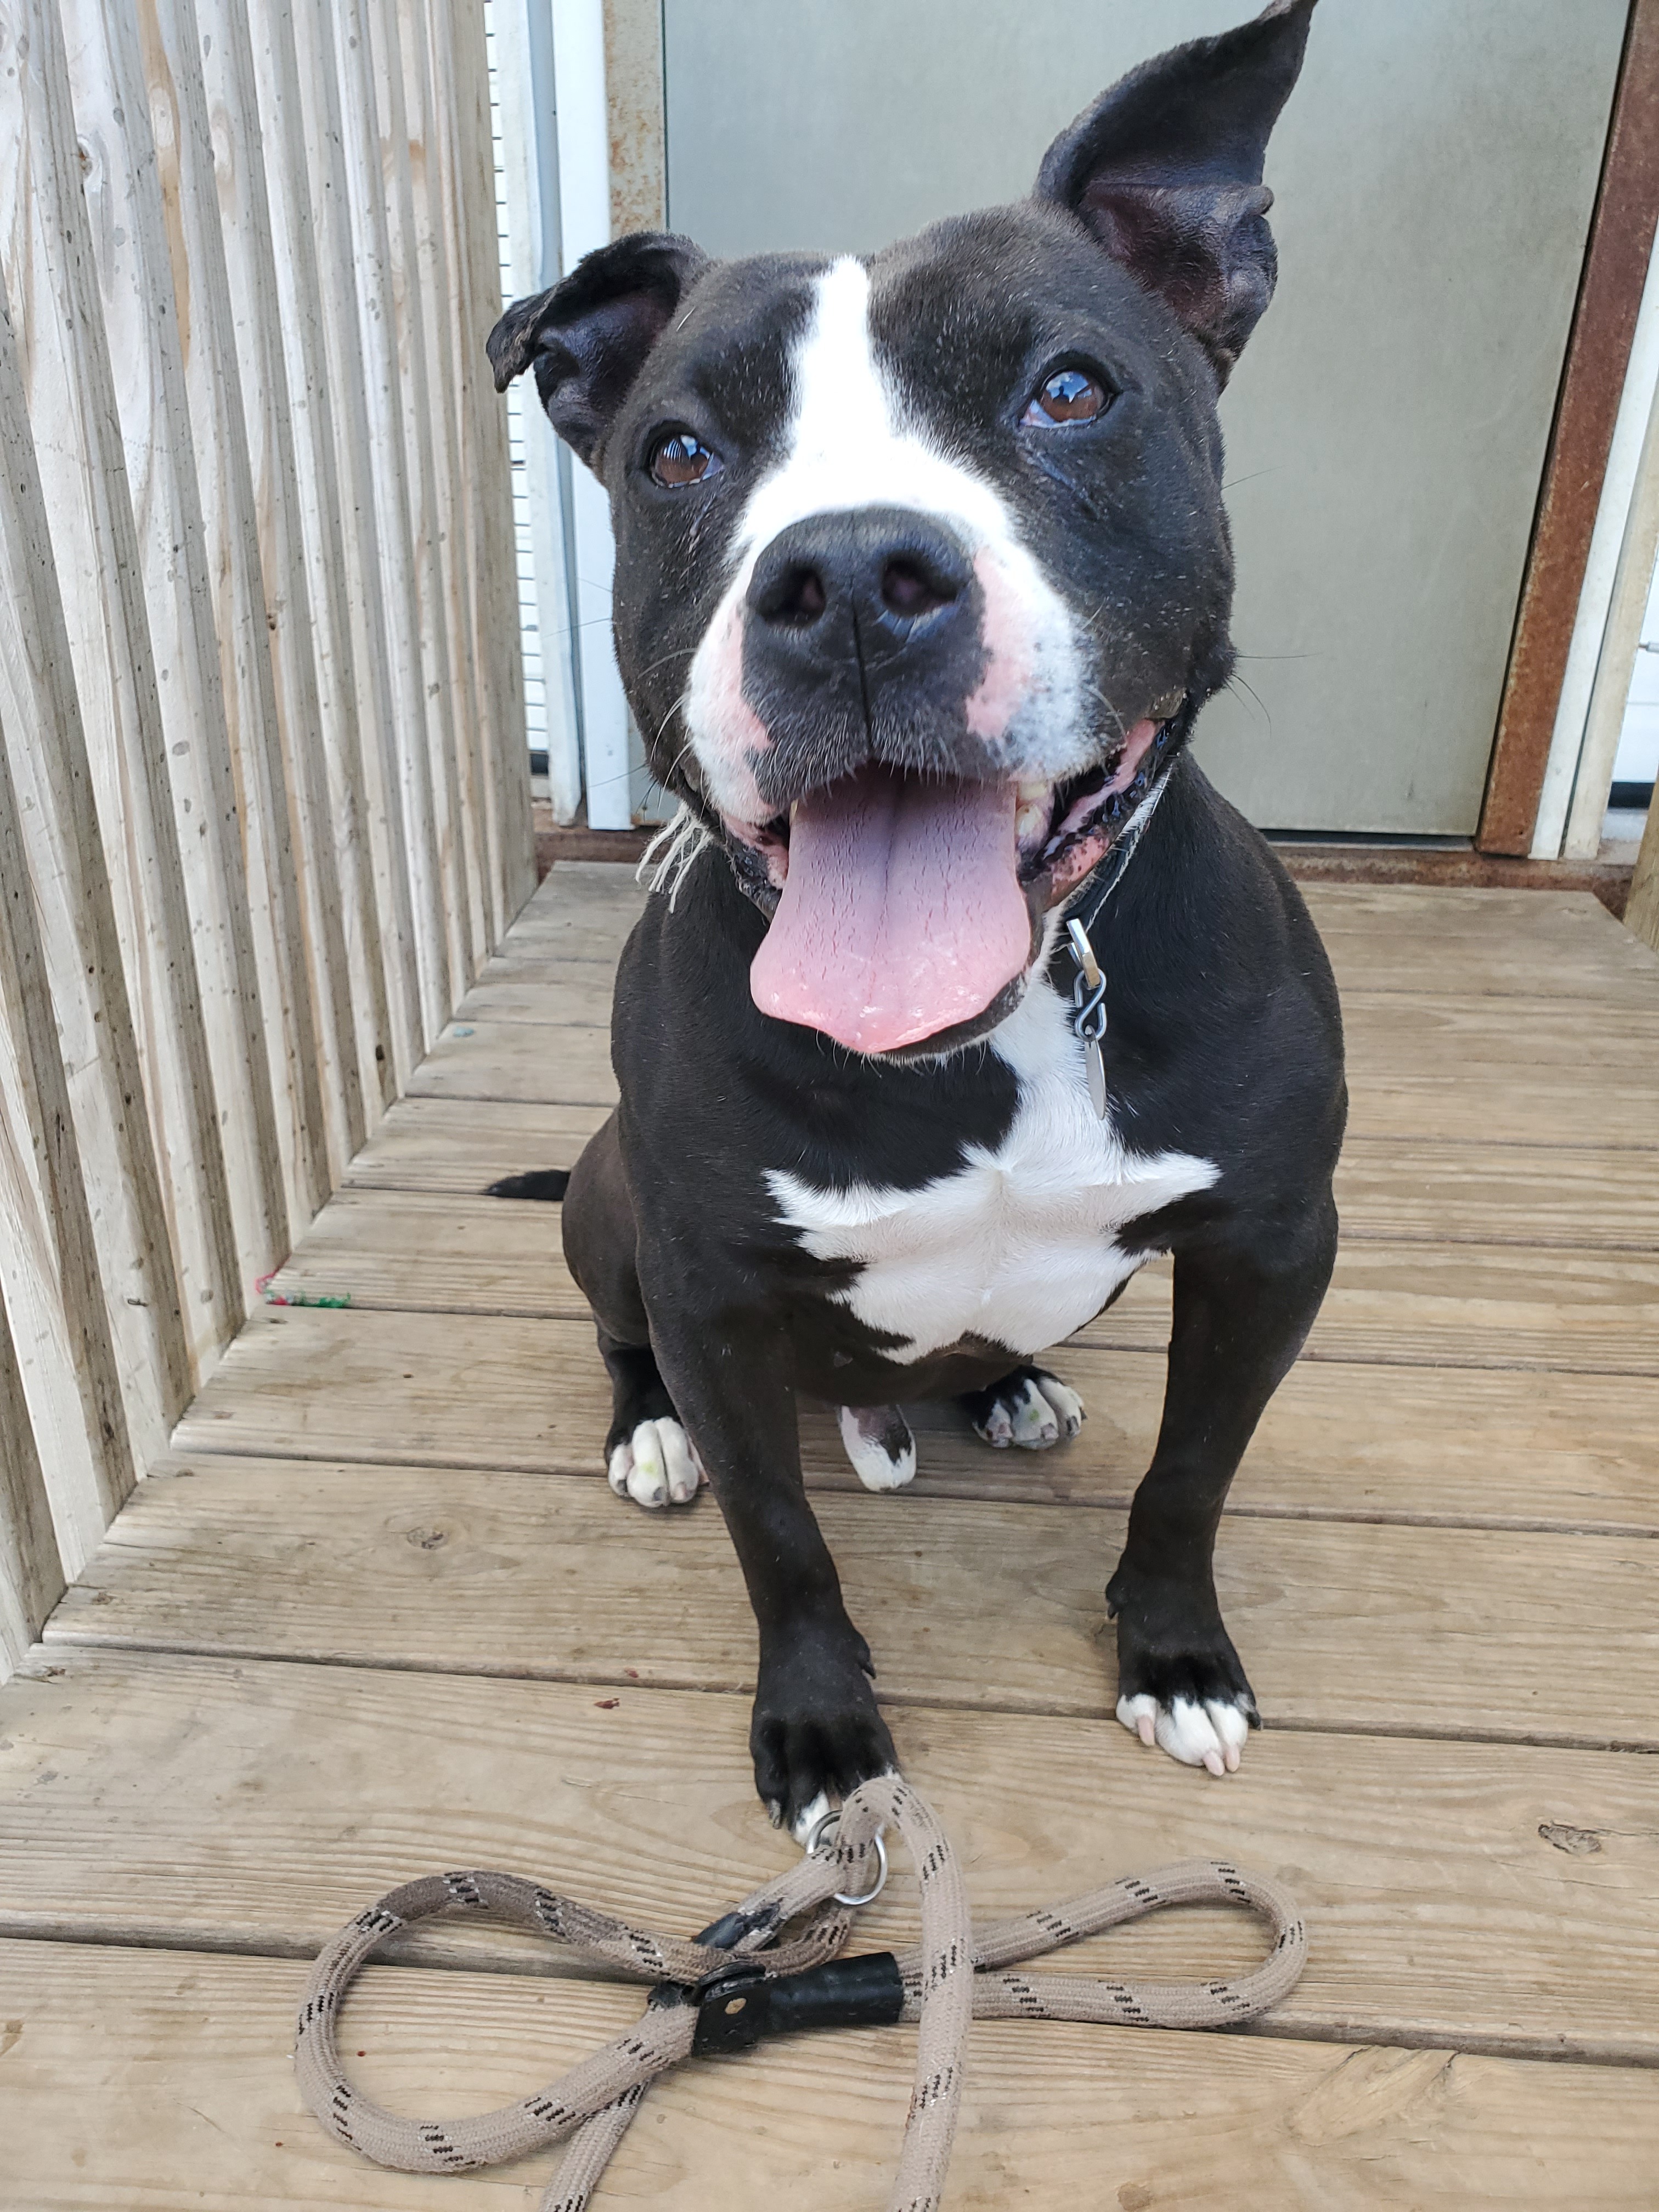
(922, 577)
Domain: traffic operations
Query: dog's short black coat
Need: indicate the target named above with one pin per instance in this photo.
(1139, 267)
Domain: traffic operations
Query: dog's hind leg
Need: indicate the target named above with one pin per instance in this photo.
(1029, 1406)
(648, 1454)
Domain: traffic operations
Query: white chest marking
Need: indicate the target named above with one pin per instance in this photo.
(1020, 1246)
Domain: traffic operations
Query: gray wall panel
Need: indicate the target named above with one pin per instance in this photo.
(1386, 430)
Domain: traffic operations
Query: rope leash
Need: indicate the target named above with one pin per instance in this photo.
(734, 1985)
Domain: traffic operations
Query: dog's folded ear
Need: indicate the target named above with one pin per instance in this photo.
(1165, 169)
(588, 337)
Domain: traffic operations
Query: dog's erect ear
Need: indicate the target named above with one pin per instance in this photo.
(1165, 169)
(587, 338)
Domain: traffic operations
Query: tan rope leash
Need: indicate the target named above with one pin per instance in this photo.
(727, 1991)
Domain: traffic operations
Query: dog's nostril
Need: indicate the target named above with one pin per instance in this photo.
(907, 589)
(796, 596)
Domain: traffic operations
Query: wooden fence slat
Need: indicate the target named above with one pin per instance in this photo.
(46, 248)
(412, 272)
(321, 131)
(49, 1275)
(491, 564)
(169, 46)
(30, 1572)
(146, 342)
(376, 373)
(255, 47)
(231, 104)
(52, 776)
(434, 264)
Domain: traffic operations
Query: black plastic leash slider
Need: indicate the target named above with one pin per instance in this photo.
(737, 2010)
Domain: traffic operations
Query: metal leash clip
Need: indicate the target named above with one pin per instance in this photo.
(825, 1827)
(1088, 1015)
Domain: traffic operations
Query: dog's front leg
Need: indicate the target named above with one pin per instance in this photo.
(817, 1731)
(1241, 1312)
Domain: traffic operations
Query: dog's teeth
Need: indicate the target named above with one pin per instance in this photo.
(1031, 821)
(1032, 794)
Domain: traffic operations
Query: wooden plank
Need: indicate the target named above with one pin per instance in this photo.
(1396, 1188)
(130, 252)
(1507, 1450)
(130, 2068)
(30, 1570)
(1592, 383)
(1420, 1303)
(375, 366)
(531, 1063)
(413, 270)
(439, 1144)
(44, 236)
(1422, 1631)
(491, 565)
(328, 888)
(170, 45)
(49, 1274)
(1642, 912)
(1527, 943)
(1443, 1067)
(422, 156)
(306, 133)
(51, 777)
(273, 242)
(257, 1808)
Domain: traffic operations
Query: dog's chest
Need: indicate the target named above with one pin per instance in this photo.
(1020, 1246)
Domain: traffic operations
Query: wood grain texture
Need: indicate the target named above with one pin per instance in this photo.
(1521, 1449)
(1346, 1626)
(51, 777)
(170, 47)
(258, 1807)
(1441, 1065)
(70, 382)
(50, 1280)
(1421, 1305)
(147, 333)
(1396, 1188)
(328, 885)
(132, 2067)
(464, 1146)
(345, 523)
(1514, 943)
(31, 1566)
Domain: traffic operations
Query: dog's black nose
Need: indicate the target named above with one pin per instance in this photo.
(890, 573)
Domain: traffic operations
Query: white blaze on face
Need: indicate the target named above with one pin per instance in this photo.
(850, 446)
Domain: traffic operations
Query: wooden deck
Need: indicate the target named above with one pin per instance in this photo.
(379, 1616)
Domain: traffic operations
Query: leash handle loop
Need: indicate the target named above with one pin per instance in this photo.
(949, 1978)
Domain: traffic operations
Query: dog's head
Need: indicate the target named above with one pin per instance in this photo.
(922, 569)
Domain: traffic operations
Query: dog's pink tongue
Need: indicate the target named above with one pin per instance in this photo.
(902, 913)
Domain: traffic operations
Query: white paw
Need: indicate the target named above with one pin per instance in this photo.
(658, 1466)
(879, 1444)
(1210, 1735)
(1043, 1412)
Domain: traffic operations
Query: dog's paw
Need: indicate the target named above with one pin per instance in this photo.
(1180, 1684)
(1211, 1735)
(657, 1466)
(1031, 1408)
(879, 1444)
(817, 1732)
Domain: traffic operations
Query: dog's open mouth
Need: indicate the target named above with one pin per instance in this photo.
(909, 904)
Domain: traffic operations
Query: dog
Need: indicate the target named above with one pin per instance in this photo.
(965, 993)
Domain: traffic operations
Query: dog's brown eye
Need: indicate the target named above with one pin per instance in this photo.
(680, 458)
(1070, 395)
